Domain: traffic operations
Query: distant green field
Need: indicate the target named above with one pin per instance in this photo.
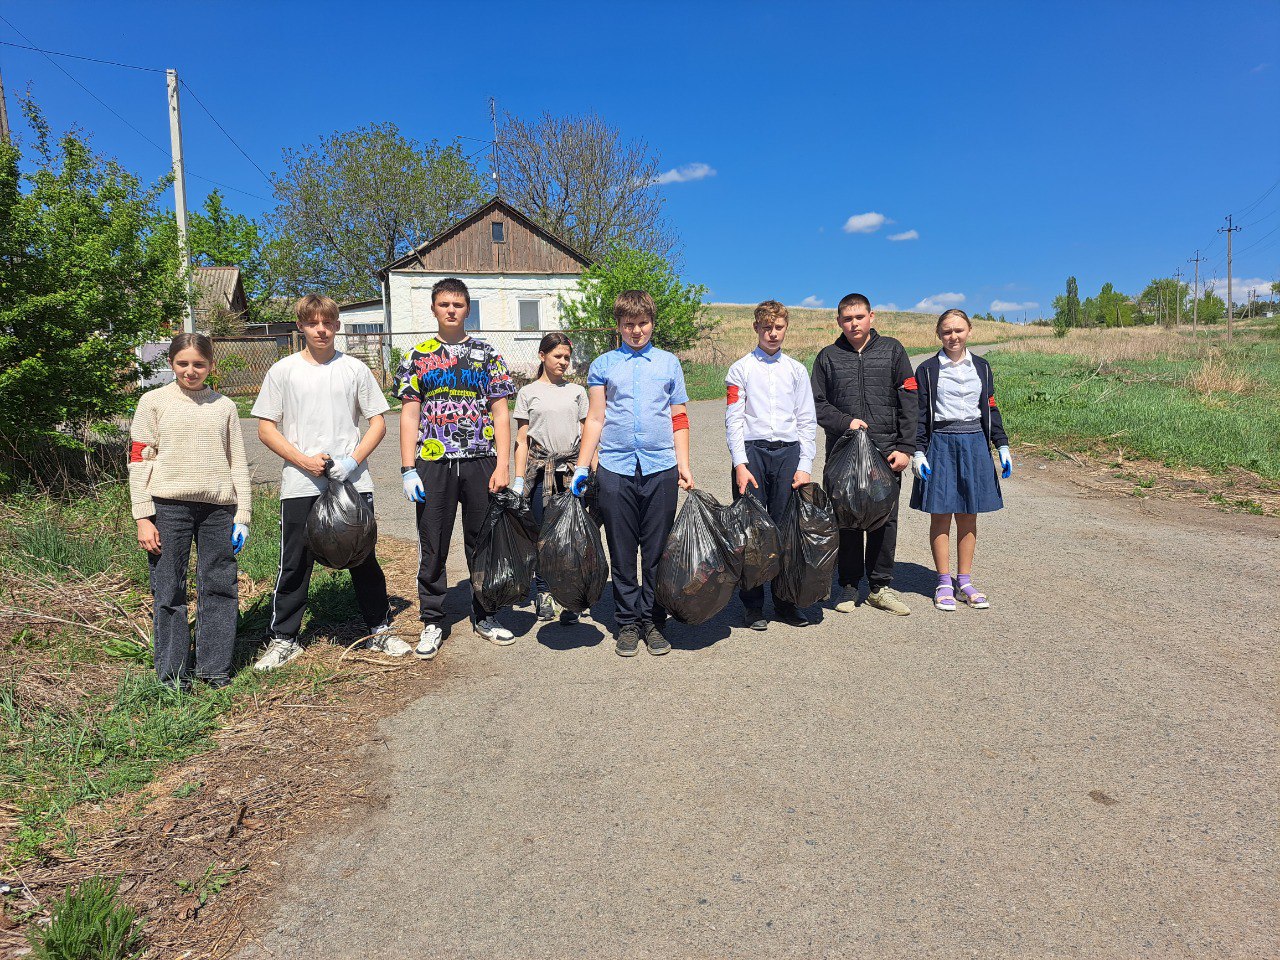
(1195, 405)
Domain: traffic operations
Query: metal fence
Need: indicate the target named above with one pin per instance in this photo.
(241, 363)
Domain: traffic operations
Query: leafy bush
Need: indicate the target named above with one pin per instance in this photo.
(682, 319)
(88, 924)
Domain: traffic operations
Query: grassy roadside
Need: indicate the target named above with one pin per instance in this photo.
(97, 759)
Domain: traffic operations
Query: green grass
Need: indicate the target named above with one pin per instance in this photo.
(57, 755)
(89, 924)
(1146, 407)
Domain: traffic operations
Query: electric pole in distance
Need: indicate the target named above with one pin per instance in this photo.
(180, 197)
(4, 114)
(1195, 294)
(1229, 229)
(1177, 293)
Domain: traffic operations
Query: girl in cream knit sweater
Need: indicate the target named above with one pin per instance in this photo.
(189, 482)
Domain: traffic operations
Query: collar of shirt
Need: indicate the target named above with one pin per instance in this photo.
(765, 357)
(629, 351)
(948, 362)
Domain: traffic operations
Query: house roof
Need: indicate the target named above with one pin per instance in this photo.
(215, 286)
(497, 203)
(357, 304)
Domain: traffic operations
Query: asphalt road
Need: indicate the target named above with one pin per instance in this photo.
(1085, 770)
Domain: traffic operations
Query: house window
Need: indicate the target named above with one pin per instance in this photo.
(473, 317)
(364, 328)
(529, 318)
(499, 231)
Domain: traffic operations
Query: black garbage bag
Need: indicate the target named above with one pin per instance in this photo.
(700, 565)
(506, 554)
(810, 541)
(758, 533)
(861, 484)
(341, 529)
(571, 557)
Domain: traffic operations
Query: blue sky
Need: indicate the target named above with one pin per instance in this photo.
(1006, 145)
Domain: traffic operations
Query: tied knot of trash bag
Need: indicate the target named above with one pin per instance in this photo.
(860, 483)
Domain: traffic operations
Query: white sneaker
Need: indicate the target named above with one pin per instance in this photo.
(495, 632)
(384, 641)
(429, 641)
(848, 600)
(279, 652)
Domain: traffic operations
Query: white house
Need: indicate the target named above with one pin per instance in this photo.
(516, 272)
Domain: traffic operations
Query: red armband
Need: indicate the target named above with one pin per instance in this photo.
(679, 421)
(991, 401)
(135, 451)
(909, 383)
(733, 395)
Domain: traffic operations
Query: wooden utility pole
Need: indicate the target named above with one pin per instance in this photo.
(1177, 293)
(493, 119)
(1229, 229)
(4, 114)
(180, 197)
(1195, 294)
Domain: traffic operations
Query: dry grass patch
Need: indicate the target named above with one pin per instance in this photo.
(1214, 377)
(1130, 344)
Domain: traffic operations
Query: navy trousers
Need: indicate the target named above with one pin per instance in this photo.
(774, 466)
(638, 513)
(870, 553)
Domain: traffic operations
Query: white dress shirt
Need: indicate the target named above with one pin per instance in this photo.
(770, 398)
(959, 389)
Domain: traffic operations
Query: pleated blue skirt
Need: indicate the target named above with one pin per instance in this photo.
(964, 477)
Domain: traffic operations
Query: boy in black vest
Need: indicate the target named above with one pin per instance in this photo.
(864, 381)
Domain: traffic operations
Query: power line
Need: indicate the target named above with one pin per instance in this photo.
(74, 56)
(225, 133)
(1252, 206)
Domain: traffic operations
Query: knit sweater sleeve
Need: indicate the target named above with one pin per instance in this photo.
(142, 450)
(240, 478)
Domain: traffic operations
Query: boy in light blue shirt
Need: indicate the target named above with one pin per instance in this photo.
(638, 424)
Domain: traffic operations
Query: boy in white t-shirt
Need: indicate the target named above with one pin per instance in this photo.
(309, 414)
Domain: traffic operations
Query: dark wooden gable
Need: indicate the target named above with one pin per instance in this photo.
(468, 247)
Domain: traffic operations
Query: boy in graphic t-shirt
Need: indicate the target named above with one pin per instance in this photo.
(455, 444)
(309, 412)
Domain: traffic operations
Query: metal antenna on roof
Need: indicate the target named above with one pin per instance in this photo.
(493, 162)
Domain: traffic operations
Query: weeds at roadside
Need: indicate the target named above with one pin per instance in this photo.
(89, 924)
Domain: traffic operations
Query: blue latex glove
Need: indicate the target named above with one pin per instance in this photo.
(579, 482)
(239, 537)
(1006, 463)
(343, 468)
(920, 466)
(517, 486)
(413, 490)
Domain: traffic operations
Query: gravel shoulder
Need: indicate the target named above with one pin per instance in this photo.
(1085, 770)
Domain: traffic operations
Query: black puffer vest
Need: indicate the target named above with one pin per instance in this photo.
(876, 385)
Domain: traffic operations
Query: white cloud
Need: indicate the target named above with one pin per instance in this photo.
(1006, 306)
(890, 307)
(865, 222)
(905, 235)
(1260, 68)
(812, 301)
(686, 174)
(1240, 287)
(939, 301)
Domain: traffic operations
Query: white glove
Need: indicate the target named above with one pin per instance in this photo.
(413, 490)
(920, 466)
(239, 537)
(342, 469)
(517, 486)
(1006, 463)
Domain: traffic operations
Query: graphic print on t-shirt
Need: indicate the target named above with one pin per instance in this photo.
(455, 382)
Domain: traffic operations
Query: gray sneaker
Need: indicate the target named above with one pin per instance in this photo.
(628, 643)
(279, 652)
(885, 598)
(548, 609)
(654, 640)
(494, 632)
(848, 600)
(384, 641)
(429, 641)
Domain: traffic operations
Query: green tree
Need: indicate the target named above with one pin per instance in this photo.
(83, 282)
(1213, 309)
(217, 237)
(1110, 308)
(1066, 309)
(357, 200)
(1159, 301)
(682, 319)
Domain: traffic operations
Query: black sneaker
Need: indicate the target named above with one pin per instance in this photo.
(655, 641)
(628, 643)
(794, 617)
(754, 619)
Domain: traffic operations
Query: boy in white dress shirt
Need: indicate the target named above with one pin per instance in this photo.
(771, 429)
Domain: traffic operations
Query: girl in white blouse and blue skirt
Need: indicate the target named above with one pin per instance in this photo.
(959, 422)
